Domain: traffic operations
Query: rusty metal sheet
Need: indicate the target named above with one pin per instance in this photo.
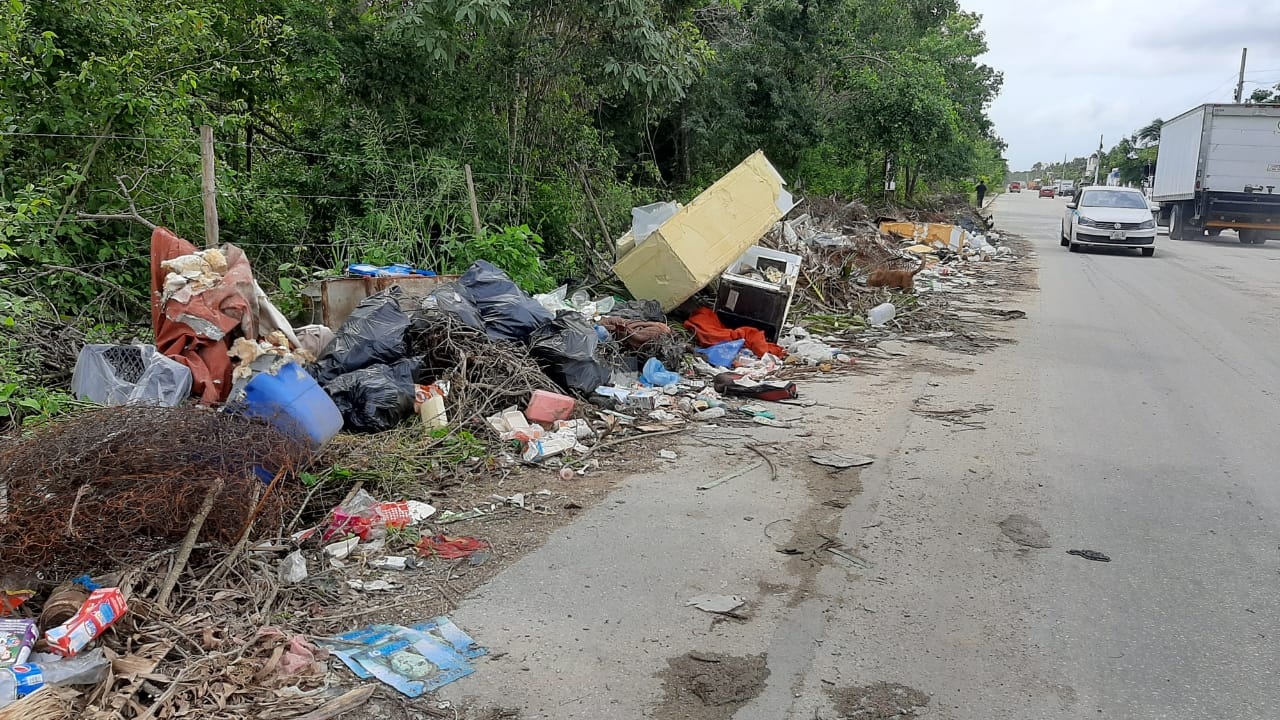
(340, 296)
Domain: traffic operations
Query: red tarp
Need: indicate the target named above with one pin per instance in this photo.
(706, 326)
(195, 328)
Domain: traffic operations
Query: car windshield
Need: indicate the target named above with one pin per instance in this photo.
(1113, 199)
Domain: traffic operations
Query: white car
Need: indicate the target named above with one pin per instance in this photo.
(1109, 217)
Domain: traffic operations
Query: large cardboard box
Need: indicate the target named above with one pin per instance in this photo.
(691, 249)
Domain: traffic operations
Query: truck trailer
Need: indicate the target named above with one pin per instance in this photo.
(1218, 169)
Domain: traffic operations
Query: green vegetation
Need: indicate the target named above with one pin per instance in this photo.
(343, 128)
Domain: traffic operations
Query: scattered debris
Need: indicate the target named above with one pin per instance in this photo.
(726, 478)
(451, 548)
(840, 461)
(1090, 555)
(413, 660)
(879, 701)
(1025, 531)
(719, 683)
(720, 604)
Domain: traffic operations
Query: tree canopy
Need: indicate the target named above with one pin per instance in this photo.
(343, 126)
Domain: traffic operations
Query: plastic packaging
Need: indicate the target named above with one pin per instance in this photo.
(546, 407)
(377, 398)
(129, 374)
(17, 636)
(103, 608)
(723, 354)
(508, 312)
(566, 348)
(647, 218)
(714, 413)
(22, 680)
(428, 403)
(315, 339)
(655, 374)
(813, 352)
(554, 300)
(293, 568)
(374, 333)
(882, 313)
(395, 270)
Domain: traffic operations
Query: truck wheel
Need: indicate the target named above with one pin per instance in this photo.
(1249, 236)
(1177, 225)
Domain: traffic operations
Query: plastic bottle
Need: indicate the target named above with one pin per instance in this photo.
(882, 314)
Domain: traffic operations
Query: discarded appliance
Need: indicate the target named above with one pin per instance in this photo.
(689, 250)
(756, 290)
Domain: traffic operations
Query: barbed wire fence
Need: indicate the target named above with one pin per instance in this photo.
(401, 211)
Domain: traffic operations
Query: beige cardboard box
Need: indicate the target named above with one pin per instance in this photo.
(692, 248)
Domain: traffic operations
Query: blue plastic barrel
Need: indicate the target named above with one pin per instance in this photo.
(294, 403)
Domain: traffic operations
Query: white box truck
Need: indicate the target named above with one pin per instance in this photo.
(1219, 168)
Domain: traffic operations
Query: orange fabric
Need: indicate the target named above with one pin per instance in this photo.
(706, 326)
(218, 312)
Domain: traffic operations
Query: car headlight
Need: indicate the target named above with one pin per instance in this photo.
(1147, 224)
(1087, 222)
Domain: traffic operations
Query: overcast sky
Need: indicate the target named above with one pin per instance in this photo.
(1080, 68)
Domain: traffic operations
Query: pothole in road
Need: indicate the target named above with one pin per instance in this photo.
(710, 686)
(878, 701)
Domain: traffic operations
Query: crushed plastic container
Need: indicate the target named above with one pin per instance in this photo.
(128, 375)
(882, 313)
(292, 401)
(548, 407)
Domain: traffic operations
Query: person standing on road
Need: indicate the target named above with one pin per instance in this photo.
(982, 192)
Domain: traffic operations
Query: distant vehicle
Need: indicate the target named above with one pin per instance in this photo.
(1109, 217)
(1047, 191)
(1035, 184)
(1219, 168)
(1015, 186)
(1066, 187)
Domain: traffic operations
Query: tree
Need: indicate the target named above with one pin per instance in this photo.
(1150, 133)
(1264, 96)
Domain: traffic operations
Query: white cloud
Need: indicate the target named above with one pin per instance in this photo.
(1075, 70)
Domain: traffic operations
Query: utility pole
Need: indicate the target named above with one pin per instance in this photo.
(1244, 53)
(1098, 165)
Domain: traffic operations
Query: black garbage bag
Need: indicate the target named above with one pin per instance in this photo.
(508, 312)
(375, 398)
(565, 348)
(648, 310)
(373, 333)
(450, 300)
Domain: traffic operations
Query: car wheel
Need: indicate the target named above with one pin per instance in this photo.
(1148, 252)
(1177, 226)
(1062, 238)
(1072, 247)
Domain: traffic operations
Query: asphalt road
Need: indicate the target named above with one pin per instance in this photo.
(1157, 415)
(1134, 415)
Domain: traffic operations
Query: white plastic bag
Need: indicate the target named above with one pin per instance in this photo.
(647, 218)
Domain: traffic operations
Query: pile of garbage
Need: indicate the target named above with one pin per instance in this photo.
(210, 455)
